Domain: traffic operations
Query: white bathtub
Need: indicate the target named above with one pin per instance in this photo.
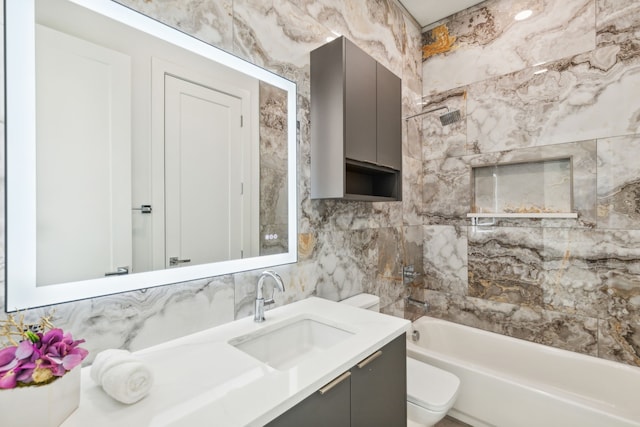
(509, 382)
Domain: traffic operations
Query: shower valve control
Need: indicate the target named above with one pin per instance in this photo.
(409, 274)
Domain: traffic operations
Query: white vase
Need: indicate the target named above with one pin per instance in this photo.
(43, 406)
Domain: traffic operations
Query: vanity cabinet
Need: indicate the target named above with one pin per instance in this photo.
(329, 406)
(379, 387)
(371, 394)
(356, 132)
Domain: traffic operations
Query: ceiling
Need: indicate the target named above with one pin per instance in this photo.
(429, 11)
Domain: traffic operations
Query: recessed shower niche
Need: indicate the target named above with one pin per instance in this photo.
(536, 189)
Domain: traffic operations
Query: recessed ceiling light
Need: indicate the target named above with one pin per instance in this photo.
(521, 16)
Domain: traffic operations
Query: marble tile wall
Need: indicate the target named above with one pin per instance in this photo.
(344, 247)
(572, 284)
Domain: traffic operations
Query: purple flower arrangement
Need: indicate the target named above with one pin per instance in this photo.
(39, 357)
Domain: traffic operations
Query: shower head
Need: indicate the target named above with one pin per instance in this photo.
(450, 117)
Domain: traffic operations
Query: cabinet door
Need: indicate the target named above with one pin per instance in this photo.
(389, 112)
(379, 388)
(360, 104)
(330, 406)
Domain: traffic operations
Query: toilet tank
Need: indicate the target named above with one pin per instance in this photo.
(366, 301)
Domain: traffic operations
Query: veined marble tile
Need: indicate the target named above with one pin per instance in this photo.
(617, 256)
(389, 290)
(277, 36)
(445, 259)
(411, 130)
(376, 26)
(618, 22)
(412, 182)
(568, 332)
(138, 319)
(444, 140)
(586, 272)
(390, 254)
(197, 306)
(619, 341)
(354, 215)
(489, 42)
(592, 272)
(571, 281)
(619, 182)
(447, 190)
(306, 213)
(397, 247)
(411, 89)
(579, 98)
(412, 69)
(412, 247)
(209, 21)
(506, 264)
(344, 263)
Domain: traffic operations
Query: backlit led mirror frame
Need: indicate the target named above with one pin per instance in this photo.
(21, 291)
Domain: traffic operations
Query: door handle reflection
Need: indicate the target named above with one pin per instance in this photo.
(120, 271)
(173, 261)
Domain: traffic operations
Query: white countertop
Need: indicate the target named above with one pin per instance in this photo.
(200, 379)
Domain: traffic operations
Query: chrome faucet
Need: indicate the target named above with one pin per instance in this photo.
(260, 301)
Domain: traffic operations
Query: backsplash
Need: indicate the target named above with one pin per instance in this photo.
(560, 84)
(344, 247)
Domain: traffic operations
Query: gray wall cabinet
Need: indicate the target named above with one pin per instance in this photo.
(371, 394)
(356, 132)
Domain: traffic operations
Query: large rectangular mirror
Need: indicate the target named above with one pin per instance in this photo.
(137, 155)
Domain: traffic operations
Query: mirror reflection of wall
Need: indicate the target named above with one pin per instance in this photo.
(273, 170)
(149, 156)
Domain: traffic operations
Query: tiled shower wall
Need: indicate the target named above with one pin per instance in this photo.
(564, 82)
(344, 247)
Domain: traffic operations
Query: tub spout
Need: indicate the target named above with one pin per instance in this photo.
(422, 304)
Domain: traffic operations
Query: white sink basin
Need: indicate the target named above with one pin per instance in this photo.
(287, 344)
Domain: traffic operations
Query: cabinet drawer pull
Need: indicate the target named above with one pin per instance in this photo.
(335, 382)
(370, 359)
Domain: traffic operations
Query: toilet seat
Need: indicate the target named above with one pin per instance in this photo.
(441, 386)
(366, 301)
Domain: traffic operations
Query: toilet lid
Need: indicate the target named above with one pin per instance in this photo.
(362, 300)
(430, 387)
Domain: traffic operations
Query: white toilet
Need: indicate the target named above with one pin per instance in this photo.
(431, 392)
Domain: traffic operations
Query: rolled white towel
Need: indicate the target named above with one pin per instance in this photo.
(127, 382)
(122, 375)
(107, 358)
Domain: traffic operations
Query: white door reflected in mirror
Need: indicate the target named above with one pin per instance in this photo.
(83, 153)
(204, 145)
